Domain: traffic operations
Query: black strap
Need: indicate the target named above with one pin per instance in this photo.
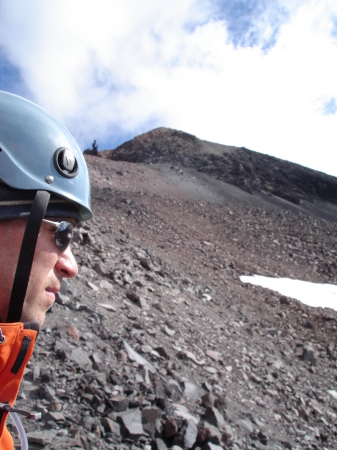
(21, 355)
(26, 256)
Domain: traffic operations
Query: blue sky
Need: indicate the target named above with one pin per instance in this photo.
(251, 73)
(252, 23)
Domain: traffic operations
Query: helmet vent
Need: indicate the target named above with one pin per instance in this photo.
(65, 162)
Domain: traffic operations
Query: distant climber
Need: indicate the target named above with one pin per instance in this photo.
(92, 151)
(94, 148)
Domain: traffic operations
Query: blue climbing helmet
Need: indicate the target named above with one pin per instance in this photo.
(42, 173)
(38, 153)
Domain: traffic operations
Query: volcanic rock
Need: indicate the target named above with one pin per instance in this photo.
(195, 358)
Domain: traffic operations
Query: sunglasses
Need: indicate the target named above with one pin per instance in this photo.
(63, 234)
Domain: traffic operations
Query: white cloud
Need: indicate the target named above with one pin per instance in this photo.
(108, 67)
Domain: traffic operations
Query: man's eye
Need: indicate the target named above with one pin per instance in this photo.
(51, 228)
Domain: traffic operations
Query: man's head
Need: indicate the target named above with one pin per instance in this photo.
(49, 267)
(43, 175)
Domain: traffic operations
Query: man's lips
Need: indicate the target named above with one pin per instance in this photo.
(52, 291)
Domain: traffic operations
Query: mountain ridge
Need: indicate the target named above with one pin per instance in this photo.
(261, 175)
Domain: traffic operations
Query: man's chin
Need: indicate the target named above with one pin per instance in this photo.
(39, 318)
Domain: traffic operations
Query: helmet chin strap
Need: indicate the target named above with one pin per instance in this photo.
(26, 256)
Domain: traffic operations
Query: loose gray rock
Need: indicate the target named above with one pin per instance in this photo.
(62, 299)
(149, 419)
(81, 358)
(47, 393)
(102, 269)
(158, 444)
(210, 446)
(134, 356)
(110, 426)
(45, 437)
(143, 303)
(309, 354)
(131, 423)
(245, 425)
(191, 390)
(214, 417)
(190, 434)
(119, 403)
(105, 284)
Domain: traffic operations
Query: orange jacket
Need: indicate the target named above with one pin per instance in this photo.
(15, 352)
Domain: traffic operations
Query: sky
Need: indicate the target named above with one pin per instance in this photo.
(311, 294)
(255, 73)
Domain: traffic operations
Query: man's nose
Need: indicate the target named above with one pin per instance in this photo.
(66, 264)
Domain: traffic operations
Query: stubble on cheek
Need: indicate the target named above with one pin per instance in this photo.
(38, 300)
(35, 311)
(6, 284)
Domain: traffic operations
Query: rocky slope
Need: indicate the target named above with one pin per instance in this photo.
(250, 171)
(157, 344)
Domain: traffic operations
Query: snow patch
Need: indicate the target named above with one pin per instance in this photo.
(311, 294)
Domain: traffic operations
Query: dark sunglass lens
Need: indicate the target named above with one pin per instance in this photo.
(63, 235)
